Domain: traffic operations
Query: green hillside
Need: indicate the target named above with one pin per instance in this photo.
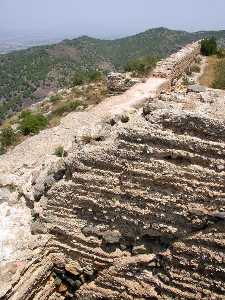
(27, 76)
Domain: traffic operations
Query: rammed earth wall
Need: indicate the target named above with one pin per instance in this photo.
(175, 65)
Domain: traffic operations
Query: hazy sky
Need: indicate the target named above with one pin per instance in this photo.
(107, 18)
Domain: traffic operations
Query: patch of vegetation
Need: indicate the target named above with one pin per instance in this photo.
(209, 46)
(7, 137)
(2, 150)
(31, 123)
(55, 98)
(198, 60)
(186, 81)
(142, 66)
(66, 107)
(59, 151)
(86, 77)
(219, 81)
(195, 68)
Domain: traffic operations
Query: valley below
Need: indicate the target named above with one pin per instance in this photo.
(27, 76)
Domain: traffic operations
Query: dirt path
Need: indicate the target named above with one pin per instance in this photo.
(208, 73)
(40, 148)
(196, 77)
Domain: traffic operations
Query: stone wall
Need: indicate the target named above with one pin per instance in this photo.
(175, 65)
(169, 69)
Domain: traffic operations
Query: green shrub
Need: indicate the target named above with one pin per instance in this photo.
(2, 150)
(59, 151)
(94, 76)
(24, 113)
(78, 79)
(86, 77)
(68, 106)
(7, 137)
(55, 98)
(209, 46)
(141, 66)
(195, 69)
(31, 123)
(186, 81)
(198, 60)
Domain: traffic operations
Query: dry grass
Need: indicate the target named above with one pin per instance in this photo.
(209, 74)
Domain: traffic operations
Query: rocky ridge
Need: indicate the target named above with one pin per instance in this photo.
(136, 211)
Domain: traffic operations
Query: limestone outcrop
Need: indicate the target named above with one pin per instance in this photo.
(136, 210)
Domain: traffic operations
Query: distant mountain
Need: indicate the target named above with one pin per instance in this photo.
(10, 45)
(27, 76)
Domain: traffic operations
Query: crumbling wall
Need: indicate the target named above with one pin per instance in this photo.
(170, 69)
(175, 65)
(120, 82)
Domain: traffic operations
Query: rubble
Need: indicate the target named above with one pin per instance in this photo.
(120, 82)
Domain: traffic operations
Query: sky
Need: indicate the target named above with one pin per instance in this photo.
(106, 18)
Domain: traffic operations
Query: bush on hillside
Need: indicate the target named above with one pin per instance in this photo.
(141, 66)
(67, 106)
(2, 150)
(209, 46)
(31, 123)
(59, 151)
(195, 69)
(86, 77)
(198, 60)
(78, 79)
(55, 98)
(7, 137)
(94, 76)
(186, 81)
